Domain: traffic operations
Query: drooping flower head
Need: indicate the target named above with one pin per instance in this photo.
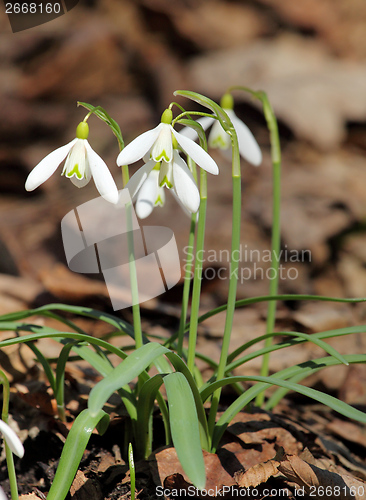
(82, 163)
(218, 138)
(11, 439)
(165, 167)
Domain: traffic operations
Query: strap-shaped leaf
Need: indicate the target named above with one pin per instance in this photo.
(145, 406)
(122, 374)
(289, 372)
(73, 450)
(184, 427)
(210, 104)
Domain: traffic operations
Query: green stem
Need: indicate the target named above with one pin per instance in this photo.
(136, 314)
(276, 232)
(192, 338)
(276, 228)
(188, 272)
(131, 464)
(234, 265)
(186, 285)
(8, 453)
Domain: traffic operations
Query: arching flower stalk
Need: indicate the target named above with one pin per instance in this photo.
(218, 138)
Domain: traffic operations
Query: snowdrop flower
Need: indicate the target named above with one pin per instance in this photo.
(165, 167)
(2, 494)
(82, 163)
(11, 439)
(148, 182)
(218, 138)
(150, 194)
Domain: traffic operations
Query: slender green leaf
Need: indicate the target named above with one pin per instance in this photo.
(78, 310)
(198, 128)
(285, 297)
(42, 333)
(330, 401)
(122, 374)
(60, 373)
(319, 335)
(184, 427)
(256, 389)
(281, 392)
(210, 104)
(106, 118)
(131, 465)
(45, 364)
(145, 406)
(314, 337)
(181, 367)
(118, 323)
(73, 450)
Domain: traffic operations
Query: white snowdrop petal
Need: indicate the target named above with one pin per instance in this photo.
(47, 166)
(197, 154)
(166, 174)
(76, 161)
(184, 184)
(139, 177)
(2, 494)
(138, 147)
(81, 182)
(11, 439)
(185, 210)
(204, 121)
(148, 195)
(248, 146)
(101, 175)
(162, 150)
(218, 138)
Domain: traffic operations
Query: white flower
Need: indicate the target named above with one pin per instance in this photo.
(11, 439)
(218, 138)
(159, 143)
(2, 494)
(164, 168)
(148, 182)
(82, 163)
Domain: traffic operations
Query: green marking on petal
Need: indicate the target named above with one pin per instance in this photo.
(159, 201)
(164, 156)
(219, 142)
(157, 166)
(75, 171)
(166, 183)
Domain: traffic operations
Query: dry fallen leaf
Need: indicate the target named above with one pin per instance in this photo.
(302, 79)
(29, 496)
(314, 479)
(258, 474)
(165, 463)
(84, 488)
